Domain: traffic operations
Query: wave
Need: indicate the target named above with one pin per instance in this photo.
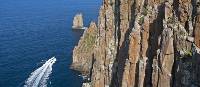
(39, 77)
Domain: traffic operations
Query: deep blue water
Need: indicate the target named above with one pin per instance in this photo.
(36, 30)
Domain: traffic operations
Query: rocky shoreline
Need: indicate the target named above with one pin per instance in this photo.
(142, 43)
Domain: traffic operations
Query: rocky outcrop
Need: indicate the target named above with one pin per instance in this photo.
(84, 50)
(78, 22)
(142, 43)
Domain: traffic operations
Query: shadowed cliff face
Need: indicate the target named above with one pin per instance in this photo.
(142, 43)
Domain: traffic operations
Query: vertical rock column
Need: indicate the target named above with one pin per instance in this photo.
(106, 47)
(197, 25)
(165, 59)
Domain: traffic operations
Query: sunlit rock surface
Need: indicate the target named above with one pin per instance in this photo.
(142, 43)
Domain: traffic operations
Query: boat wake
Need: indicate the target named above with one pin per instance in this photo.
(39, 77)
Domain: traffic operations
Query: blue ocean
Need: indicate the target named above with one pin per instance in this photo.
(36, 41)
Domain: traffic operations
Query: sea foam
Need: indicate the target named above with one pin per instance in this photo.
(39, 77)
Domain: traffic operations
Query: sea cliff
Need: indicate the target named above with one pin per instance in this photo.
(142, 43)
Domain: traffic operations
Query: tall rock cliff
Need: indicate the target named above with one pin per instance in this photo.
(142, 43)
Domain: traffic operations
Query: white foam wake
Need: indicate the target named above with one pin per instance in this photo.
(39, 77)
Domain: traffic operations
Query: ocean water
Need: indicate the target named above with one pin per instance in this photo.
(32, 32)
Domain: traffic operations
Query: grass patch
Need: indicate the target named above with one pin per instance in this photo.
(89, 41)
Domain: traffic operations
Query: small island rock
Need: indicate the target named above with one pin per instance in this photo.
(78, 22)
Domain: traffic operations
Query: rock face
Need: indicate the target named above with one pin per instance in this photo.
(142, 43)
(78, 21)
(84, 50)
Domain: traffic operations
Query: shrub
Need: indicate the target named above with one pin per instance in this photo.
(145, 11)
(141, 20)
(188, 53)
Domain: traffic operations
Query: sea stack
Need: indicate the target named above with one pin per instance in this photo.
(78, 22)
